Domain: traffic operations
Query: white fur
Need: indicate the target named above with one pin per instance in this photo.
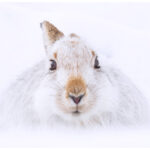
(32, 98)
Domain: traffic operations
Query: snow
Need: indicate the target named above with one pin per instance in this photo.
(119, 30)
(76, 138)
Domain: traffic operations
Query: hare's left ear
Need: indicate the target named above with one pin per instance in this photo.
(50, 34)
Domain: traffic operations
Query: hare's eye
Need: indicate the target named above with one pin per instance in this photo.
(53, 65)
(96, 63)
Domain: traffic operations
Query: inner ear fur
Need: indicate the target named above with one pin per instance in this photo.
(50, 33)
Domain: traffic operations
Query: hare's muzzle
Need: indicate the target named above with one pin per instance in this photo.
(76, 99)
(75, 89)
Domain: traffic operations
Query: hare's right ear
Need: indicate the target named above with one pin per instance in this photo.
(50, 34)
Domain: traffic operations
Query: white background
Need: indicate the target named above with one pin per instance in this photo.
(121, 31)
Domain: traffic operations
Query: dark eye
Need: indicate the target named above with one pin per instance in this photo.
(96, 63)
(53, 65)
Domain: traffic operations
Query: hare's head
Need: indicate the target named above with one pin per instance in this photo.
(74, 83)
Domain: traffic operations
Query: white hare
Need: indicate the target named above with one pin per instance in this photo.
(72, 86)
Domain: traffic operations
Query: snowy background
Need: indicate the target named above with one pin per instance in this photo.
(121, 31)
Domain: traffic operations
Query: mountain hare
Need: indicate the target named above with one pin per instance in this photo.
(72, 86)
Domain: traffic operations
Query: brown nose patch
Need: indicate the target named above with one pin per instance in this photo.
(75, 85)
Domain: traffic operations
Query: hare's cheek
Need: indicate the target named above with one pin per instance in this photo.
(64, 105)
(42, 103)
(89, 102)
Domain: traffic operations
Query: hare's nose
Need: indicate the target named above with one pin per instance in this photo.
(76, 99)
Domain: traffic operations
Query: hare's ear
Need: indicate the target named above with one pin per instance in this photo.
(50, 33)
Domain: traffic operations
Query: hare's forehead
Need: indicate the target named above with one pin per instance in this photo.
(72, 49)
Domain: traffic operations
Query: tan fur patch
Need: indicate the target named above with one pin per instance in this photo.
(75, 85)
(74, 35)
(74, 43)
(93, 53)
(55, 55)
(53, 33)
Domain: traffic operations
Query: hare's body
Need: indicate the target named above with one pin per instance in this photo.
(72, 87)
(17, 106)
